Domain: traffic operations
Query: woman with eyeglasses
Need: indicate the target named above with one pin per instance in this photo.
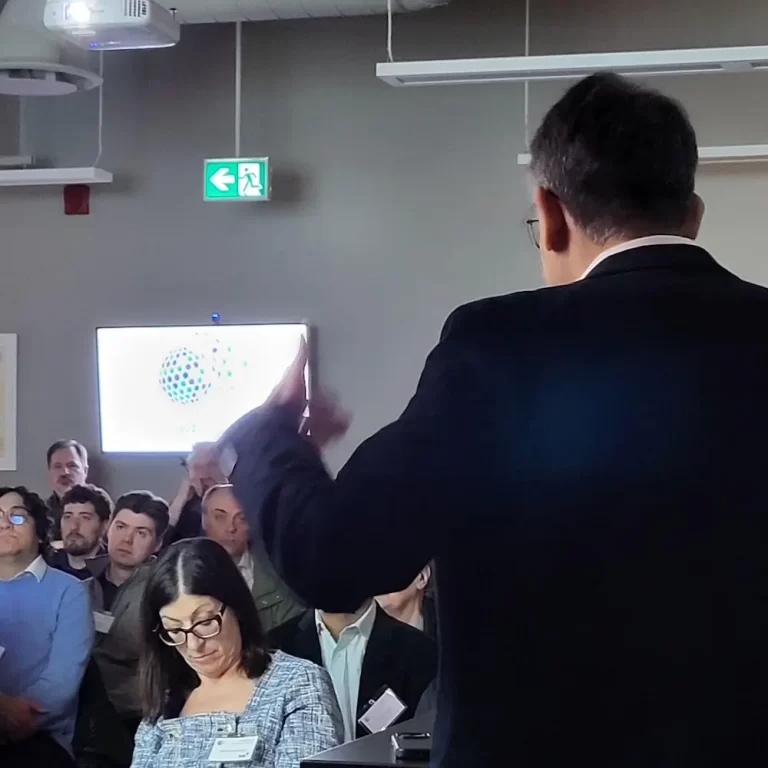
(212, 693)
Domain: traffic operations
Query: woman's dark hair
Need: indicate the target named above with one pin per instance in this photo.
(199, 567)
(37, 508)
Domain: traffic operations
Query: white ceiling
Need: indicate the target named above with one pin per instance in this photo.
(209, 11)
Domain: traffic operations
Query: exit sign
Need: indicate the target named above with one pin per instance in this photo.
(237, 179)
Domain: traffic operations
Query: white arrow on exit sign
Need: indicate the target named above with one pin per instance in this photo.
(222, 179)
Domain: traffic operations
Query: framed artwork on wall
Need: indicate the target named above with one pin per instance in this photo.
(8, 352)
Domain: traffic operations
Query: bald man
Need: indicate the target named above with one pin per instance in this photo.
(223, 521)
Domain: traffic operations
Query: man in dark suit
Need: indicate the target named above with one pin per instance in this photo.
(365, 653)
(594, 450)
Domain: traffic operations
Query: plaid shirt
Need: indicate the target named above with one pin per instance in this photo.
(293, 711)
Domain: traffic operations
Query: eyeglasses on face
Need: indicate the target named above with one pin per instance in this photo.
(204, 629)
(15, 515)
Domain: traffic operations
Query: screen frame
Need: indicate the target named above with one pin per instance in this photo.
(310, 373)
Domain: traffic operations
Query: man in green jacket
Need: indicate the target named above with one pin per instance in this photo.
(224, 522)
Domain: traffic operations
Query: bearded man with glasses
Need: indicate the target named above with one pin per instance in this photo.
(46, 636)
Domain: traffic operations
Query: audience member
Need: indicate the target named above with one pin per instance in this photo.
(202, 473)
(366, 653)
(67, 467)
(413, 605)
(86, 511)
(206, 671)
(101, 740)
(46, 636)
(224, 522)
(135, 535)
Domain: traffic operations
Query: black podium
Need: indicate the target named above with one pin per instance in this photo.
(373, 751)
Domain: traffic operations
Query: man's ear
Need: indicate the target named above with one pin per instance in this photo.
(695, 215)
(554, 235)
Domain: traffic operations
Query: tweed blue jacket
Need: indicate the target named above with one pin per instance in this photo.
(293, 712)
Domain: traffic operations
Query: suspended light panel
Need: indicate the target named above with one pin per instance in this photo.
(719, 155)
(513, 69)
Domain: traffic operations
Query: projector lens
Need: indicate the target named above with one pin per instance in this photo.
(78, 12)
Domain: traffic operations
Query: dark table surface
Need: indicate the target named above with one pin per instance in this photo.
(373, 751)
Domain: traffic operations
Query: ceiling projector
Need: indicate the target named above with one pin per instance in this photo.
(112, 25)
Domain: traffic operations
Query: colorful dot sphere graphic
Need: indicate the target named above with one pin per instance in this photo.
(228, 363)
(186, 376)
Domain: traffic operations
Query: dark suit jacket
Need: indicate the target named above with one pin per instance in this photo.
(587, 466)
(397, 656)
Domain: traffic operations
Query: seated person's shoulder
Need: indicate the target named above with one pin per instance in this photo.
(142, 572)
(406, 636)
(283, 635)
(296, 677)
(63, 582)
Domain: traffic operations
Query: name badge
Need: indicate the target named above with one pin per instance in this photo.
(382, 712)
(234, 749)
(103, 622)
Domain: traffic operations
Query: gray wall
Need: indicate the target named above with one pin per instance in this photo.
(392, 206)
(9, 126)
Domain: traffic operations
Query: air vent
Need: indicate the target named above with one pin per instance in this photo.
(136, 9)
(33, 78)
(212, 11)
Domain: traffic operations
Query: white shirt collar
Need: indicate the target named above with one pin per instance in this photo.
(639, 242)
(362, 625)
(37, 568)
(246, 561)
(245, 566)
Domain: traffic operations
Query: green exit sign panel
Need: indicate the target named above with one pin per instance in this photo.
(237, 179)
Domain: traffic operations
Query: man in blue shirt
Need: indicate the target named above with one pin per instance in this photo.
(46, 628)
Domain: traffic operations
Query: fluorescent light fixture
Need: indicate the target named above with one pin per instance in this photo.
(573, 66)
(743, 153)
(36, 177)
(739, 153)
(16, 161)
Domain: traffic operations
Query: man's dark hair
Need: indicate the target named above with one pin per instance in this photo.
(198, 567)
(620, 157)
(145, 503)
(89, 494)
(37, 509)
(59, 445)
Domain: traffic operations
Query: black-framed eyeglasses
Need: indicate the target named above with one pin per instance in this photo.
(204, 629)
(15, 515)
(533, 230)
